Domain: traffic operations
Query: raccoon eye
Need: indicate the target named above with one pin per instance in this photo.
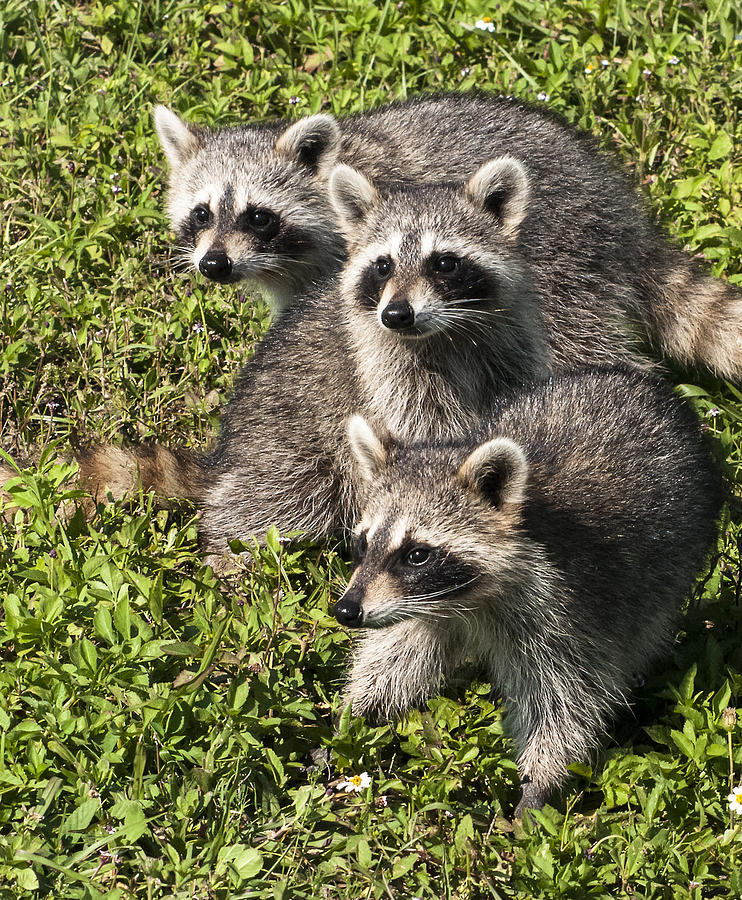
(263, 222)
(446, 265)
(360, 546)
(383, 267)
(201, 215)
(418, 556)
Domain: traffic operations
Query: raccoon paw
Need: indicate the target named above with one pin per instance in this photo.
(532, 796)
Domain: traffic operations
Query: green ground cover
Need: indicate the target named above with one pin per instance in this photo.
(164, 734)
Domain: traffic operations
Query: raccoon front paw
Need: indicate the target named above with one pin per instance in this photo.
(362, 704)
(224, 564)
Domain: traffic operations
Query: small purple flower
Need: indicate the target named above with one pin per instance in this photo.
(293, 100)
(543, 96)
(713, 412)
(53, 553)
(198, 327)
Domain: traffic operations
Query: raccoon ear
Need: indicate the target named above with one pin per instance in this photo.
(352, 196)
(501, 187)
(179, 140)
(314, 141)
(369, 451)
(498, 470)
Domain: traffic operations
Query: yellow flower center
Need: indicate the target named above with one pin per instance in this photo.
(486, 19)
(738, 795)
(355, 780)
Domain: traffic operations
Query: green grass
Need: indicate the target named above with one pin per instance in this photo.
(166, 735)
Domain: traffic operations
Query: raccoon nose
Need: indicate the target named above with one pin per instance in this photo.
(216, 265)
(348, 612)
(397, 315)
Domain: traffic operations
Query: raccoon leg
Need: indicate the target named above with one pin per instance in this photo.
(696, 319)
(555, 717)
(397, 668)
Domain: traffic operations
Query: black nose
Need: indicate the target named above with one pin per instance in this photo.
(348, 612)
(397, 315)
(216, 265)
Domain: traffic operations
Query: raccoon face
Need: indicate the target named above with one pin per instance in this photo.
(436, 533)
(251, 202)
(400, 576)
(433, 259)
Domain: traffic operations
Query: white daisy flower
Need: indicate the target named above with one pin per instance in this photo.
(735, 800)
(355, 784)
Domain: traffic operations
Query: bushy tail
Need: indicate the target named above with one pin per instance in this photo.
(171, 474)
(6, 473)
(697, 319)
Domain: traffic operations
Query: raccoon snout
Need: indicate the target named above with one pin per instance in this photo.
(348, 612)
(398, 315)
(216, 265)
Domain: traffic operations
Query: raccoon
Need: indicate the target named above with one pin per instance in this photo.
(252, 202)
(554, 546)
(484, 260)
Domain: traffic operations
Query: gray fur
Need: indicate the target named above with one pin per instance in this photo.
(590, 249)
(560, 568)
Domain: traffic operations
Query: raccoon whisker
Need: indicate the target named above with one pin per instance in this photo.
(183, 265)
(463, 300)
(272, 265)
(276, 267)
(462, 326)
(501, 315)
(443, 592)
(308, 263)
(470, 326)
(472, 315)
(183, 259)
